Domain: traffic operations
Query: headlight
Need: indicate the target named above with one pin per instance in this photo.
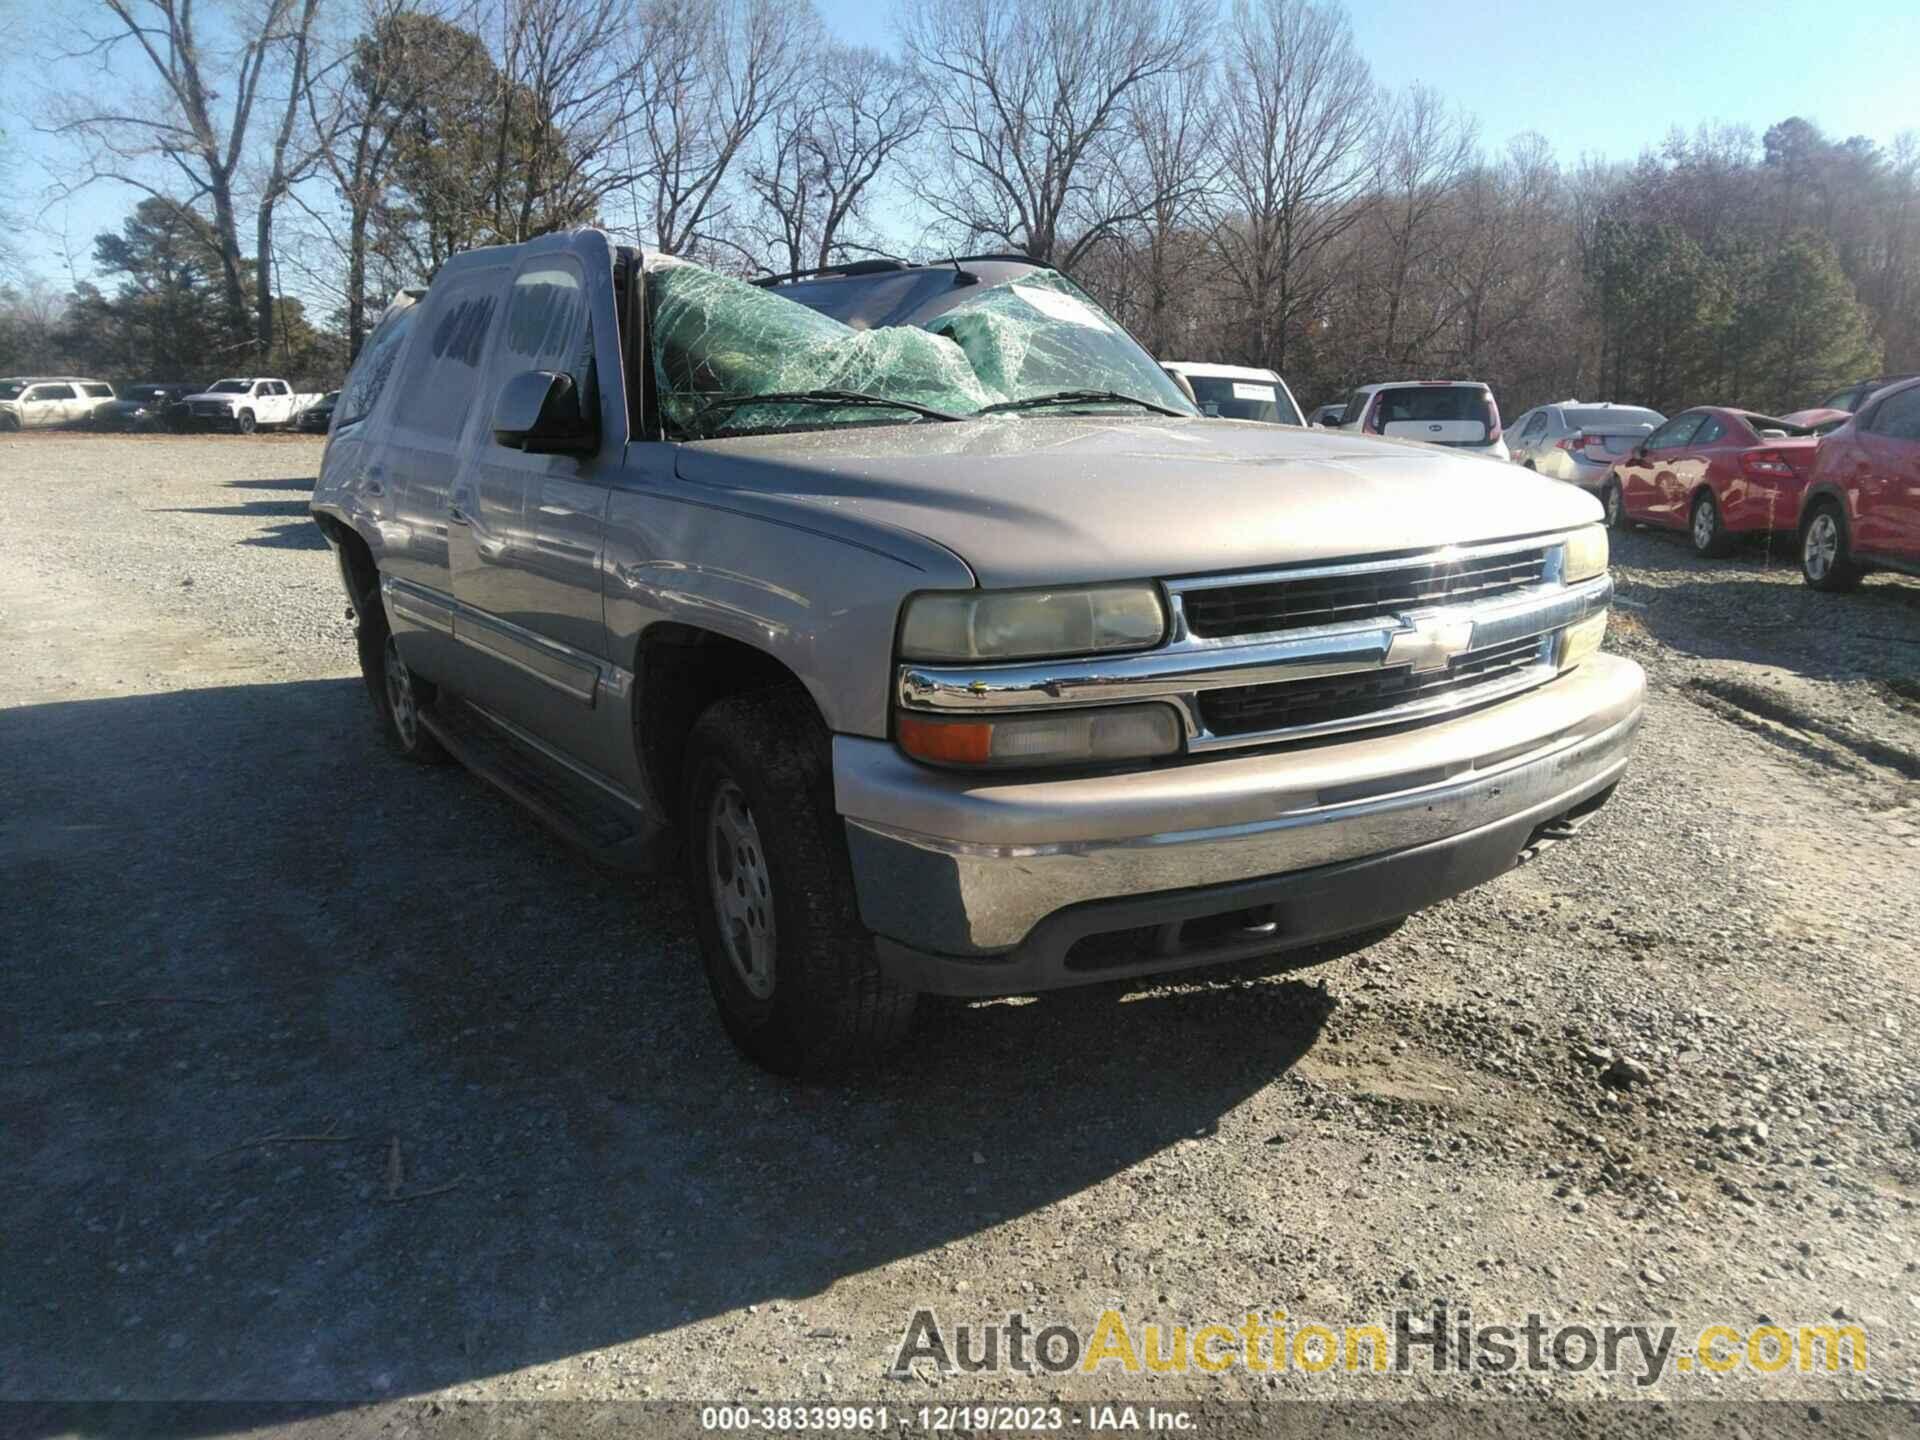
(1023, 624)
(1586, 554)
(1579, 641)
(1095, 736)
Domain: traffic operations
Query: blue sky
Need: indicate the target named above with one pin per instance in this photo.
(1605, 81)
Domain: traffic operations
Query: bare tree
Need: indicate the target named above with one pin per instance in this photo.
(712, 73)
(569, 94)
(1297, 118)
(844, 126)
(285, 165)
(1030, 107)
(1425, 152)
(1174, 166)
(193, 126)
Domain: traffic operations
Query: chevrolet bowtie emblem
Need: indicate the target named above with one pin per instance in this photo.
(1430, 644)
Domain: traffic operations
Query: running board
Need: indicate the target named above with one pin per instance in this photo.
(608, 830)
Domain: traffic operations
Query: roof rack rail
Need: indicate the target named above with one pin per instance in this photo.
(852, 267)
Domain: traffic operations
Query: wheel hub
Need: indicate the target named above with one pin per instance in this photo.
(400, 701)
(742, 889)
(1823, 543)
(1703, 525)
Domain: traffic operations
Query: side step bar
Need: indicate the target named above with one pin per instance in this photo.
(607, 830)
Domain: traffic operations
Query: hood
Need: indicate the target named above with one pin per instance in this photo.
(1053, 500)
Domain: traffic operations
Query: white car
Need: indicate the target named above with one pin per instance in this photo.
(246, 404)
(1237, 392)
(1460, 414)
(46, 402)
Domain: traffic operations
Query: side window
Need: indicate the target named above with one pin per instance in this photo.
(52, 392)
(362, 390)
(1677, 431)
(1711, 430)
(442, 376)
(100, 391)
(1536, 427)
(1898, 416)
(548, 325)
(1356, 402)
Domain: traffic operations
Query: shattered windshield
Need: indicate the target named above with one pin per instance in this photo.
(716, 340)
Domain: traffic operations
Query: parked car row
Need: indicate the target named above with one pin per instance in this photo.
(240, 404)
(1843, 477)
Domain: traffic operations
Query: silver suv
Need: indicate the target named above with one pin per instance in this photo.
(921, 620)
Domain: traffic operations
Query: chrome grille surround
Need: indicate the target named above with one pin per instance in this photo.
(1423, 640)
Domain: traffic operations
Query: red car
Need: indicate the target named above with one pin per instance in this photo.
(1862, 508)
(1714, 473)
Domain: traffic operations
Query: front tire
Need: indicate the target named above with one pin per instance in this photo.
(1826, 550)
(244, 423)
(1707, 530)
(398, 694)
(792, 970)
(1614, 501)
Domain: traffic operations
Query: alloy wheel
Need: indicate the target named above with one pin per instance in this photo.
(400, 700)
(1821, 546)
(742, 888)
(1703, 525)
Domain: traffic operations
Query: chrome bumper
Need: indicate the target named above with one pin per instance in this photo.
(962, 866)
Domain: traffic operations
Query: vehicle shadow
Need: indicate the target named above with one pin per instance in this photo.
(1753, 606)
(328, 1078)
(302, 483)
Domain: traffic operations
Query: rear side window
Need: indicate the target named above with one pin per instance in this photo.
(103, 391)
(442, 375)
(1536, 427)
(1711, 429)
(362, 390)
(1898, 416)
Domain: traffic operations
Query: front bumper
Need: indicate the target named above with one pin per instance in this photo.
(986, 886)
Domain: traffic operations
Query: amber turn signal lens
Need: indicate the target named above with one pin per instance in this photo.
(947, 742)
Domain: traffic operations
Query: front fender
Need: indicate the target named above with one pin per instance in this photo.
(823, 602)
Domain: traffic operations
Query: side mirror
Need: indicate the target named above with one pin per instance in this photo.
(539, 411)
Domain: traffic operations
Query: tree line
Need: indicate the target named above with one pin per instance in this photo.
(1234, 186)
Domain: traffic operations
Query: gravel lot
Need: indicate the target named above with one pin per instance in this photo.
(324, 1077)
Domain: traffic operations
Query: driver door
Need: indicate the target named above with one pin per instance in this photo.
(1646, 475)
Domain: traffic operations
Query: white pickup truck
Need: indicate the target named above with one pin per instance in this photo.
(245, 405)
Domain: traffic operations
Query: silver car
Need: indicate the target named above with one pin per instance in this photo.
(921, 620)
(1579, 441)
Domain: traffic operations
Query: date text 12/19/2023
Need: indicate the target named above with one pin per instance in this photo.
(939, 1419)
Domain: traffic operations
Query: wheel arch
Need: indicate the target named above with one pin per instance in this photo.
(1818, 494)
(680, 670)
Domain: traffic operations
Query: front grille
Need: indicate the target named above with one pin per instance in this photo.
(1266, 606)
(211, 409)
(1251, 709)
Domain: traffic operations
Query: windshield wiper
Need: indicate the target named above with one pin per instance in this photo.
(831, 399)
(1077, 397)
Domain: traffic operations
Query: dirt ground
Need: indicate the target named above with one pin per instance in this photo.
(327, 1078)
